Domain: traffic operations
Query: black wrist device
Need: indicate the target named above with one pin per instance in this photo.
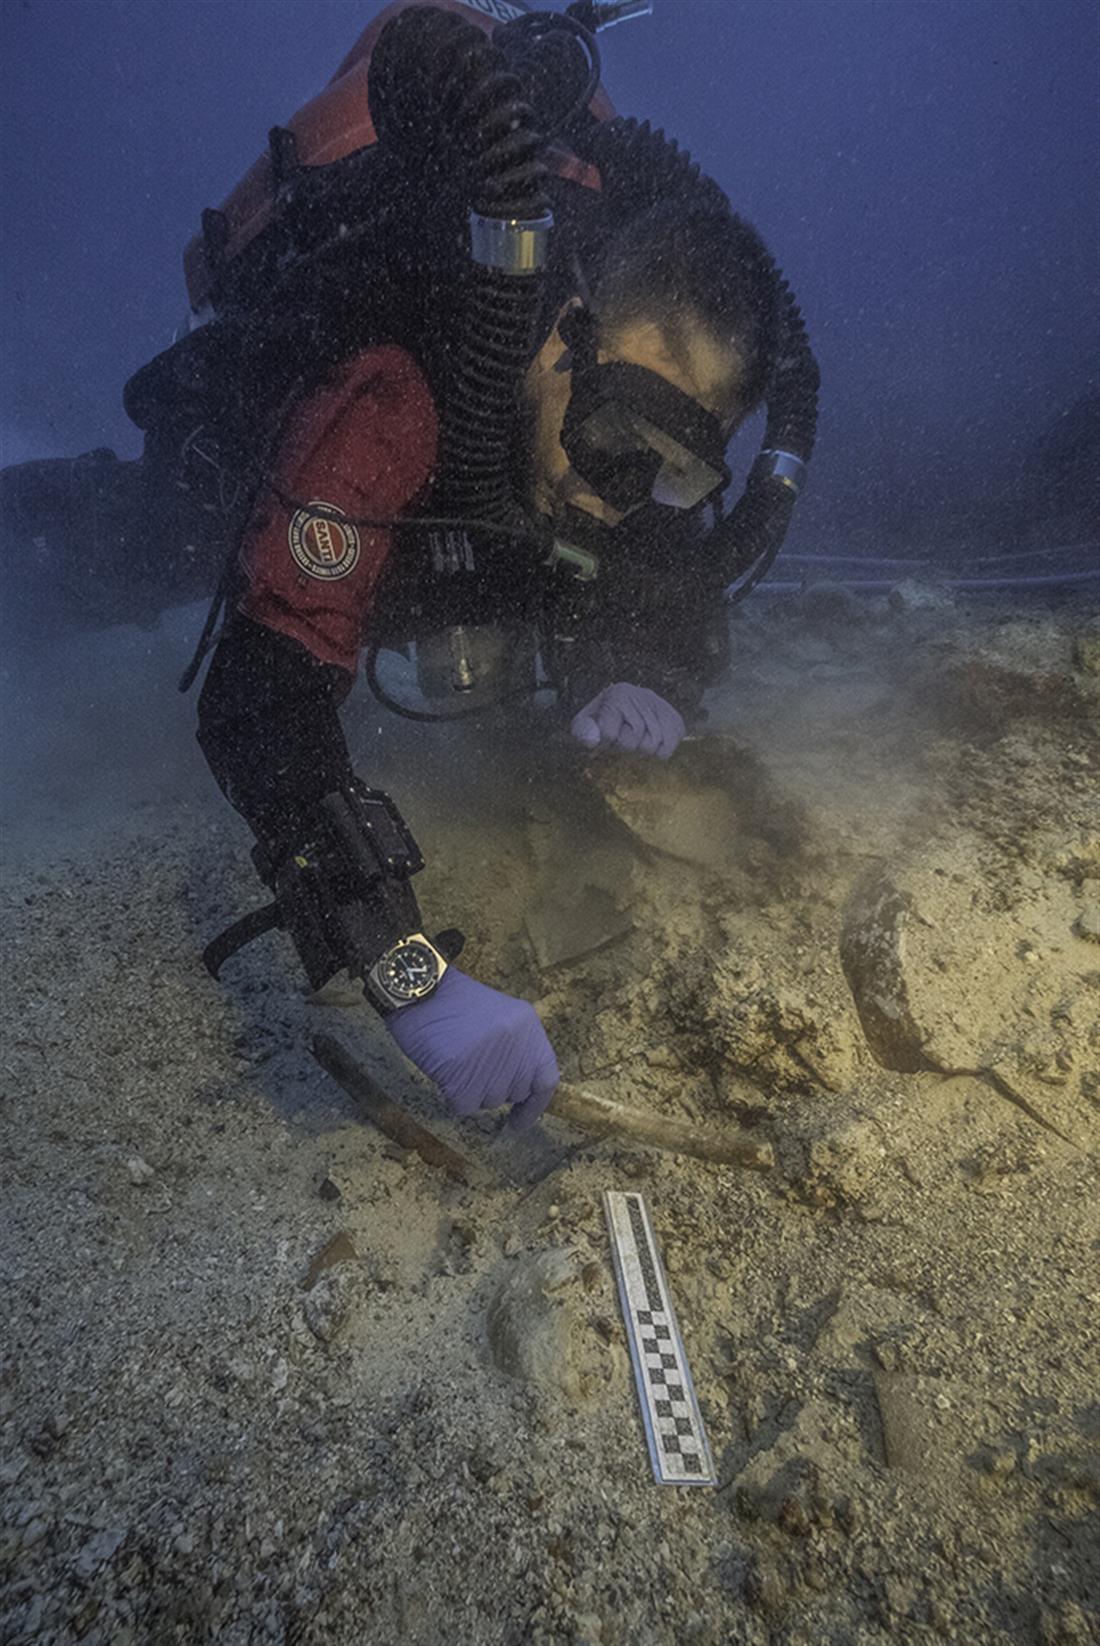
(342, 890)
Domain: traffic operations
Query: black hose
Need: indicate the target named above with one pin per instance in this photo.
(746, 543)
(441, 93)
(640, 166)
(558, 60)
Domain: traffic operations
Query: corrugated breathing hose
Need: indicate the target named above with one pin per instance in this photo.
(439, 91)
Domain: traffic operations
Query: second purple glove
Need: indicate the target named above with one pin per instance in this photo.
(629, 717)
(481, 1047)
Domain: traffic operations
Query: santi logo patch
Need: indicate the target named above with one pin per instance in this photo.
(323, 547)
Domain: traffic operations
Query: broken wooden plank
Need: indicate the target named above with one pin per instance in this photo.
(727, 1145)
(396, 1122)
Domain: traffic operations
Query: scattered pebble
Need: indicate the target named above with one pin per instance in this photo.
(98, 1551)
(340, 1249)
(33, 1532)
(326, 1305)
(1088, 925)
(11, 1471)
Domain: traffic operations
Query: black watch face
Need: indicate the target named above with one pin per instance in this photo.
(409, 971)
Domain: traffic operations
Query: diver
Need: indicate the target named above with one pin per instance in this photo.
(485, 366)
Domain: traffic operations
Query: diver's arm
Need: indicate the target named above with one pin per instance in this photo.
(269, 727)
(358, 447)
(363, 445)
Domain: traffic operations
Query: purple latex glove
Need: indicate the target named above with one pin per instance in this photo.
(481, 1047)
(629, 717)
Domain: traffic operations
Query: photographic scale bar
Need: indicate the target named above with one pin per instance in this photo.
(678, 1446)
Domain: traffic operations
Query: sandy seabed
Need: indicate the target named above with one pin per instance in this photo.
(267, 1377)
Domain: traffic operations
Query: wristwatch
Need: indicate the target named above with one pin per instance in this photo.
(409, 970)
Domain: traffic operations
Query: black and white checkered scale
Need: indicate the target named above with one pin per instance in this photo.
(674, 1427)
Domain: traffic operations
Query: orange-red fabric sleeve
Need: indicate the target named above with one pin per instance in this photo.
(364, 444)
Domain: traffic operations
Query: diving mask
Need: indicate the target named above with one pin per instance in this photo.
(633, 437)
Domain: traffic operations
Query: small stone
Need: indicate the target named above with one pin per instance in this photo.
(901, 1597)
(138, 1170)
(913, 595)
(340, 1249)
(792, 1518)
(98, 1551)
(10, 1472)
(916, 1438)
(33, 1533)
(1087, 925)
(998, 1461)
(42, 1442)
(32, 1617)
(941, 1618)
(280, 1374)
(765, 1593)
(328, 1190)
(85, 1616)
(483, 1466)
(536, 1329)
(886, 1353)
(1065, 1625)
(325, 1306)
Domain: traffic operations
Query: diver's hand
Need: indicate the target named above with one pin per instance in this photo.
(481, 1047)
(629, 717)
